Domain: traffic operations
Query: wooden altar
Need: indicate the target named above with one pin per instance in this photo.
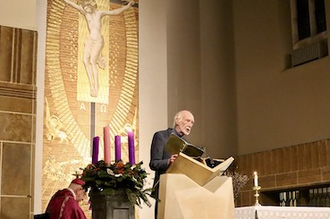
(276, 212)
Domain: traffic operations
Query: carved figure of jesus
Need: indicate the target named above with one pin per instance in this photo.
(94, 42)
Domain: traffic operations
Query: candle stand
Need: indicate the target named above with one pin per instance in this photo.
(114, 206)
(256, 195)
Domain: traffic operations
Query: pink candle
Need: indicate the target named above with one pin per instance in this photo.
(106, 140)
(95, 155)
(131, 150)
(117, 147)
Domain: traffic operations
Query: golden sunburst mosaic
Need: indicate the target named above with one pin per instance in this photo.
(91, 81)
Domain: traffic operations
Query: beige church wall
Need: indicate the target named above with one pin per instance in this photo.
(276, 107)
(218, 102)
(200, 72)
(20, 14)
(184, 73)
(153, 80)
(41, 28)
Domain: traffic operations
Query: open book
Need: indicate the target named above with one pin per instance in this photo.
(175, 145)
(197, 171)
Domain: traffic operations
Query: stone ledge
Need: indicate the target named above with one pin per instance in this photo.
(18, 90)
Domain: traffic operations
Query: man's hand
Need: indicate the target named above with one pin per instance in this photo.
(172, 159)
(131, 2)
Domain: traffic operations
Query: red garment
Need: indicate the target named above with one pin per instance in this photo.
(63, 205)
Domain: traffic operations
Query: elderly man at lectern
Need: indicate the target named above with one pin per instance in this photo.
(160, 160)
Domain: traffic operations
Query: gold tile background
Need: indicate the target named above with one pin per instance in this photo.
(68, 106)
(14, 178)
(15, 207)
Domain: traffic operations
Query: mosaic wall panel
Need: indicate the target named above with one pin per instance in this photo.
(83, 93)
(15, 207)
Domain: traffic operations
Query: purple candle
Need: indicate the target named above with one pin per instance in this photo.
(131, 150)
(117, 147)
(95, 155)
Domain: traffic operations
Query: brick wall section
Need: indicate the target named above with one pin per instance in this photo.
(285, 168)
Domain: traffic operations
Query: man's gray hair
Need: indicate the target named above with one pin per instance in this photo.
(178, 116)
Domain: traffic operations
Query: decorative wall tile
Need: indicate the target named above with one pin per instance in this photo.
(15, 207)
(302, 164)
(17, 119)
(321, 152)
(325, 174)
(294, 158)
(246, 198)
(18, 55)
(268, 181)
(286, 179)
(309, 176)
(16, 105)
(6, 36)
(314, 155)
(15, 127)
(16, 169)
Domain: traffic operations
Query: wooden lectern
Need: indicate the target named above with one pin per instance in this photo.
(190, 189)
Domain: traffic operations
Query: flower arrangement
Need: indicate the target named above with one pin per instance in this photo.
(239, 181)
(107, 179)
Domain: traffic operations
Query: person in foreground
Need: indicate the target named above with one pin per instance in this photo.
(160, 160)
(65, 203)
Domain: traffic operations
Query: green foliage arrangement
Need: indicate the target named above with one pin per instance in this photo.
(106, 179)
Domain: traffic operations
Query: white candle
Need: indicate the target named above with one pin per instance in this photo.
(255, 179)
